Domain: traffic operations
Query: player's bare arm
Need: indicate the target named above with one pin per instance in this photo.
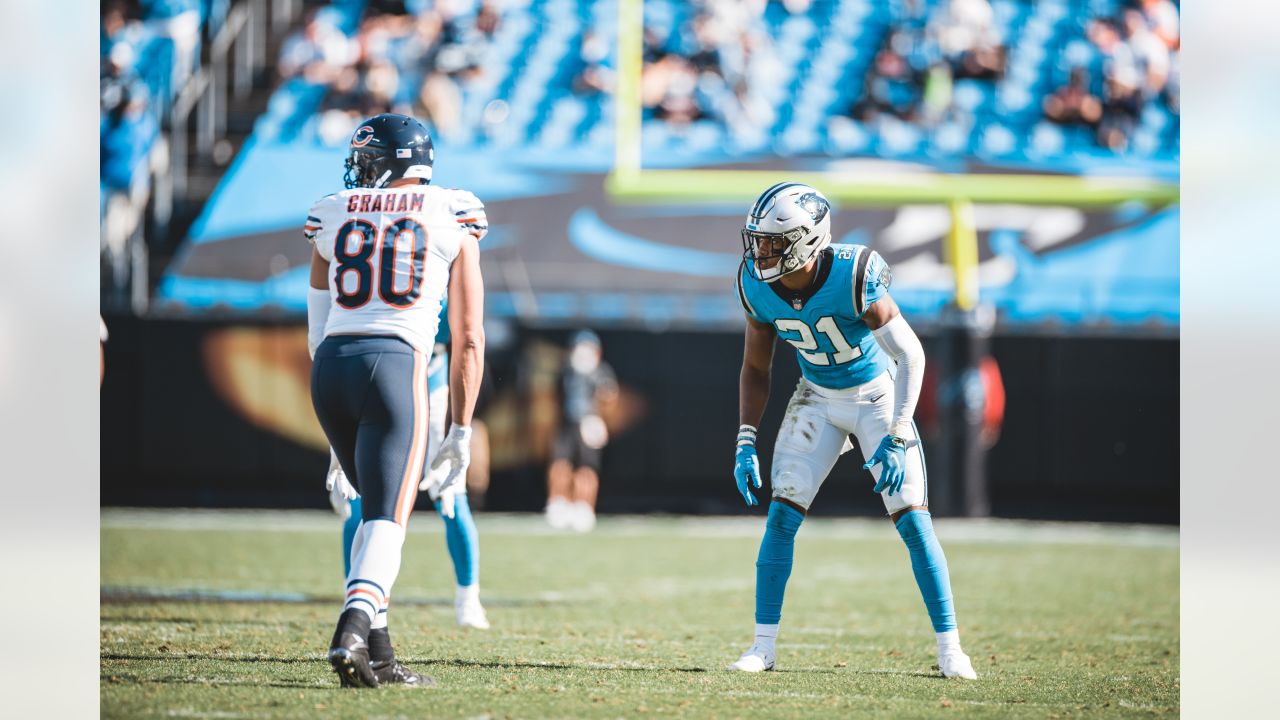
(466, 318)
(757, 364)
(319, 271)
(881, 312)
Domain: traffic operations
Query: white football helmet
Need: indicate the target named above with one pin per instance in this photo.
(789, 224)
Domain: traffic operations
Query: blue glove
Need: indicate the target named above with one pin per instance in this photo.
(746, 470)
(892, 453)
(746, 464)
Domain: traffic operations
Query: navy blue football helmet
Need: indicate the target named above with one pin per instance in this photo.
(389, 147)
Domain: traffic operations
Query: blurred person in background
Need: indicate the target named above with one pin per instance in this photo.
(126, 132)
(1072, 103)
(1121, 109)
(965, 32)
(317, 52)
(587, 386)
(892, 86)
(1150, 53)
(179, 21)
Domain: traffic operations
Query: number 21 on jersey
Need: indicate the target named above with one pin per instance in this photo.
(355, 246)
(807, 343)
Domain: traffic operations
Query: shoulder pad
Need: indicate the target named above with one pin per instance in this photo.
(469, 212)
(871, 280)
(316, 217)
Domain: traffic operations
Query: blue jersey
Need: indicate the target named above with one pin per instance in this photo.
(824, 322)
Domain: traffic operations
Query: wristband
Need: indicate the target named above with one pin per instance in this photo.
(746, 435)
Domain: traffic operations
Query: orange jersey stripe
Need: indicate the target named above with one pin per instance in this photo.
(417, 453)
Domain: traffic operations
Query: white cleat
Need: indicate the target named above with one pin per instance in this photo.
(757, 659)
(471, 614)
(956, 665)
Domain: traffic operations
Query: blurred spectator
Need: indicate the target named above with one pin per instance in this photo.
(318, 52)
(891, 85)
(126, 134)
(1150, 53)
(587, 387)
(1121, 109)
(1072, 103)
(179, 21)
(966, 35)
(1162, 17)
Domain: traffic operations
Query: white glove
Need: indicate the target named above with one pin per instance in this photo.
(431, 481)
(446, 478)
(340, 491)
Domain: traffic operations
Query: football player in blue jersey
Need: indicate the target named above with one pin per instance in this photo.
(861, 367)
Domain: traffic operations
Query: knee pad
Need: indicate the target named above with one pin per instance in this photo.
(794, 481)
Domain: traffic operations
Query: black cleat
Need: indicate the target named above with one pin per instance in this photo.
(391, 672)
(349, 651)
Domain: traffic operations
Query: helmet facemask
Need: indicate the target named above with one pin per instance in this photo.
(364, 171)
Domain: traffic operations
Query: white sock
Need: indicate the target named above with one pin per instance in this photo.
(375, 567)
(948, 641)
(466, 594)
(379, 620)
(766, 635)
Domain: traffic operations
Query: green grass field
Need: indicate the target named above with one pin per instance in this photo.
(637, 620)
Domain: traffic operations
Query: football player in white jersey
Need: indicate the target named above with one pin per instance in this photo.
(861, 366)
(387, 251)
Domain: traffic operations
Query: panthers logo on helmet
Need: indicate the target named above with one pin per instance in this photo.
(362, 137)
(814, 204)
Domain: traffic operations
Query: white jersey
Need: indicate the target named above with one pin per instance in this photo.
(389, 253)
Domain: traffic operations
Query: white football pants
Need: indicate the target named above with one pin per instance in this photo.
(816, 430)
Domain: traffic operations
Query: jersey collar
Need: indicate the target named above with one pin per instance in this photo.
(797, 298)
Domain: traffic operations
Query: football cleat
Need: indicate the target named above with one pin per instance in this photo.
(349, 651)
(956, 664)
(391, 672)
(757, 659)
(470, 613)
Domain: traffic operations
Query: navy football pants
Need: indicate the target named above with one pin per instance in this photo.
(370, 395)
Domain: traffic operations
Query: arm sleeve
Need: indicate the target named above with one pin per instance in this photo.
(317, 318)
(898, 340)
(469, 213)
(871, 280)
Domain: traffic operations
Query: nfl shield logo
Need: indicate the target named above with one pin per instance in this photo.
(797, 303)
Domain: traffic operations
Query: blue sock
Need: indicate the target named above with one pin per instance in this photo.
(930, 568)
(464, 542)
(349, 536)
(773, 564)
